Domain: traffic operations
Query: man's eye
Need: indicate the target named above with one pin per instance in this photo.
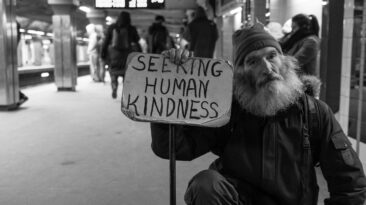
(272, 56)
(251, 62)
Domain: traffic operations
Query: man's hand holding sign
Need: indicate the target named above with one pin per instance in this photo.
(172, 88)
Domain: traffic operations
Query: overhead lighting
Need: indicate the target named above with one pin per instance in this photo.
(109, 20)
(324, 2)
(85, 9)
(49, 34)
(268, 14)
(21, 30)
(45, 75)
(35, 32)
(236, 10)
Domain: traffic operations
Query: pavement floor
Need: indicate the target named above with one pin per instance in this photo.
(77, 148)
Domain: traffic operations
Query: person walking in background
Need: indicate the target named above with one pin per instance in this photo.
(22, 96)
(100, 39)
(121, 39)
(201, 34)
(94, 53)
(159, 39)
(303, 42)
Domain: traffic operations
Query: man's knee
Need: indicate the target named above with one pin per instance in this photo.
(210, 186)
(205, 181)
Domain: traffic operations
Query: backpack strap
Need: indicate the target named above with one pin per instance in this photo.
(311, 144)
(314, 128)
(306, 153)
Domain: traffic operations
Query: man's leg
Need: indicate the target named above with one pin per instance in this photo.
(210, 187)
(114, 83)
(93, 66)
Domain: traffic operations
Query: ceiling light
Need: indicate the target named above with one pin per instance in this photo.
(85, 9)
(236, 10)
(35, 32)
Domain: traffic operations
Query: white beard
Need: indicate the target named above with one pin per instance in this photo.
(274, 96)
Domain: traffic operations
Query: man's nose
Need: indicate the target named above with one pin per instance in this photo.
(266, 66)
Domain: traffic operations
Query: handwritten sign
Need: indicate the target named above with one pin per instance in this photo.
(197, 92)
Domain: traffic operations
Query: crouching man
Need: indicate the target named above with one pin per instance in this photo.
(275, 137)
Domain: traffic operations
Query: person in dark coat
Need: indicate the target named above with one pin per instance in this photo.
(201, 34)
(159, 39)
(303, 42)
(268, 150)
(113, 52)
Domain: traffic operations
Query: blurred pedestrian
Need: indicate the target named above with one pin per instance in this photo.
(303, 42)
(201, 34)
(121, 39)
(22, 96)
(159, 39)
(94, 45)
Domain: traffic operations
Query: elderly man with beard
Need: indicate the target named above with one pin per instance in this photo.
(266, 153)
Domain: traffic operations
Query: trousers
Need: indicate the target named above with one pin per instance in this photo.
(210, 187)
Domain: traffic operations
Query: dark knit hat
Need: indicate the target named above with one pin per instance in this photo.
(250, 39)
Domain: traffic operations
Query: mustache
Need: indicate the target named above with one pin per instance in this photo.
(268, 77)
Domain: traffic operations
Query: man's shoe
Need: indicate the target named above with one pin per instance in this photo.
(114, 94)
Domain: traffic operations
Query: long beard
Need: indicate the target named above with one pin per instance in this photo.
(274, 95)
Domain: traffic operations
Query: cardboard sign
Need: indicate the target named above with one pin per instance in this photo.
(198, 92)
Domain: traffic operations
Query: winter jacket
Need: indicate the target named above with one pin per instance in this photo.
(159, 39)
(116, 59)
(268, 154)
(306, 52)
(202, 35)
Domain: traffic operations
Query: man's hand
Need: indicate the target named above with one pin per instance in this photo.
(177, 56)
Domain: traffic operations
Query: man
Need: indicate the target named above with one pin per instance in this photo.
(201, 34)
(268, 150)
(159, 39)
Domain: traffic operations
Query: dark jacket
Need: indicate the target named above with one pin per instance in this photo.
(267, 153)
(116, 59)
(202, 35)
(161, 43)
(304, 46)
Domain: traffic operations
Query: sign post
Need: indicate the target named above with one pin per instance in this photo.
(198, 92)
(172, 171)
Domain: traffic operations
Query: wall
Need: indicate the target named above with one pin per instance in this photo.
(230, 23)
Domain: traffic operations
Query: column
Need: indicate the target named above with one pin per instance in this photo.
(331, 53)
(259, 11)
(9, 82)
(346, 64)
(64, 36)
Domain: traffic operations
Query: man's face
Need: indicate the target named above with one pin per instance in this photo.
(266, 82)
(262, 67)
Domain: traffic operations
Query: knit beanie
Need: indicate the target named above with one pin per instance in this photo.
(250, 39)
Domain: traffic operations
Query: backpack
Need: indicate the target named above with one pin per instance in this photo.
(160, 40)
(120, 39)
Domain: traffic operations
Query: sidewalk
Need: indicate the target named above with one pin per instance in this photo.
(77, 148)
